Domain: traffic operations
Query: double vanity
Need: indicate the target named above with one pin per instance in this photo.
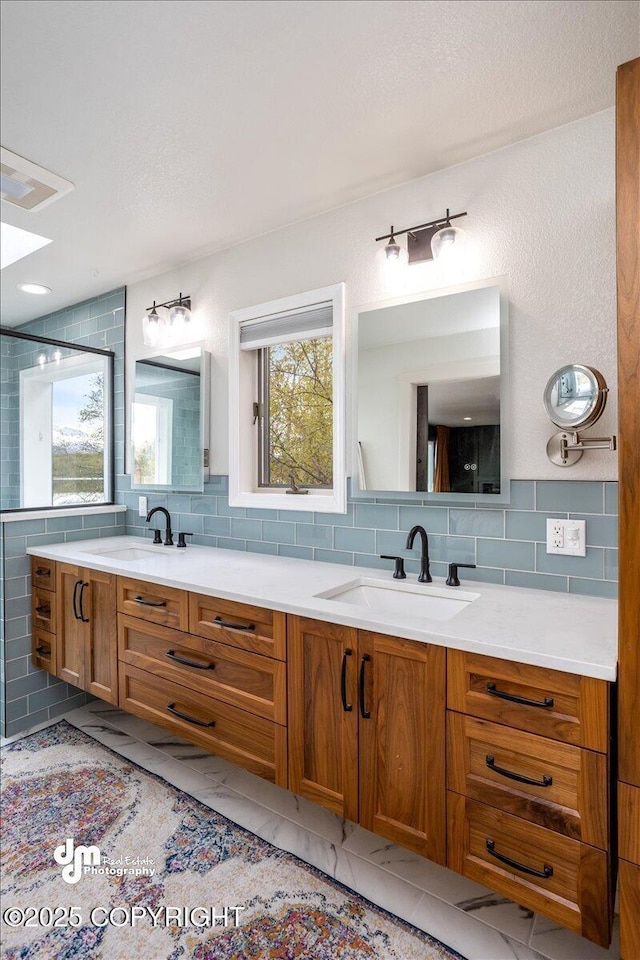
(470, 724)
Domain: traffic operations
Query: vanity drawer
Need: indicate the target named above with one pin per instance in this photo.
(150, 601)
(239, 624)
(43, 574)
(43, 610)
(43, 650)
(575, 890)
(551, 703)
(252, 742)
(488, 762)
(245, 680)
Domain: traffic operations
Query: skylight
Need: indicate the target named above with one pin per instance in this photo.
(17, 243)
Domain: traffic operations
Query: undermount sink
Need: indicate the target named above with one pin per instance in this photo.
(125, 553)
(404, 599)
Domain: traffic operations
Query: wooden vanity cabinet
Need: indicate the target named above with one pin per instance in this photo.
(86, 641)
(528, 787)
(188, 663)
(366, 730)
(44, 647)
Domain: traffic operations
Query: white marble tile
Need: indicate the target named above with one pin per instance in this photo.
(472, 938)
(392, 893)
(320, 853)
(558, 943)
(428, 876)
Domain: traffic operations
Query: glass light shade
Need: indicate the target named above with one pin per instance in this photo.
(447, 241)
(151, 328)
(392, 250)
(179, 314)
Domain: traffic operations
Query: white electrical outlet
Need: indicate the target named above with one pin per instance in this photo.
(568, 537)
(142, 506)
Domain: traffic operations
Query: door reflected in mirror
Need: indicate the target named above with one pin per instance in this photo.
(431, 387)
(167, 421)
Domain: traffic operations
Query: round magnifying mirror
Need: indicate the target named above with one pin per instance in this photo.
(575, 396)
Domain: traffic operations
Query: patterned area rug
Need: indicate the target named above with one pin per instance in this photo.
(161, 875)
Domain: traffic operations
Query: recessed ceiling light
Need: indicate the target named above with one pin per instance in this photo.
(18, 243)
(466, 418)
(34, 288)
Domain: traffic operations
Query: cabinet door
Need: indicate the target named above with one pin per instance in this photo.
(98, 607)
(323, 718)
(402, 746)
(71, 632)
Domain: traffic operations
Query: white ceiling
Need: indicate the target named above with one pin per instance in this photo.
(190, 125)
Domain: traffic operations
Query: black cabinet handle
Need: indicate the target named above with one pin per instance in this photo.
(43, 651)
(234, 626)
(77, 584)
(44, 612)
(347, 707)
(82, 616)
(43, 572)
(364, 713)
(545, 704)
(189, 663)
(150, 603)
(544, 874)
(545, 782)
(171, 707)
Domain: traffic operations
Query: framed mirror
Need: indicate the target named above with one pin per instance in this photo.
(169, 421)
(431, 385)
(575, 396)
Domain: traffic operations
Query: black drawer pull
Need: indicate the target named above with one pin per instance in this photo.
(43, 572)
(364, 713)
(234, 626)
(347, 707)
(189, 663)
(43, 651)
(80, 605)
(150, 603)
(545, 782)
(545, 704)
(77, 584)
(171, 707)
(43, 612)
(544, 874)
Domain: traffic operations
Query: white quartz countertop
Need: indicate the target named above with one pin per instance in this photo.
(563, 631)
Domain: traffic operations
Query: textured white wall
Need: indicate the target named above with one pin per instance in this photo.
(540, 211)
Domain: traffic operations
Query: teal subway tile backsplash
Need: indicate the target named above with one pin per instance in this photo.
(506, 541)
(575, 496)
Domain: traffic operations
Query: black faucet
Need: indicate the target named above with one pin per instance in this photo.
(424, 576)
(168, 537)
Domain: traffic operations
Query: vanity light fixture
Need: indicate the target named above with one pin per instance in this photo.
(426, 240)
(159, 330)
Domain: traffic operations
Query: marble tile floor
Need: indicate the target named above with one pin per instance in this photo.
(478, 923)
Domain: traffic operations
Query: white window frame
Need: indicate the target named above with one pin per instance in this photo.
(164, 431)
(243, 392)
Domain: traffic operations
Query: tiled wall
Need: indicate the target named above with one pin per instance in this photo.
(32, 695)
(506, 543)
(28, 695)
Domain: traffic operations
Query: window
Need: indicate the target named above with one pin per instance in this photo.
(287, 403)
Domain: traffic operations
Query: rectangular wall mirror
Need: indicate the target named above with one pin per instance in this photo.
(432, 385)
(169, 426)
